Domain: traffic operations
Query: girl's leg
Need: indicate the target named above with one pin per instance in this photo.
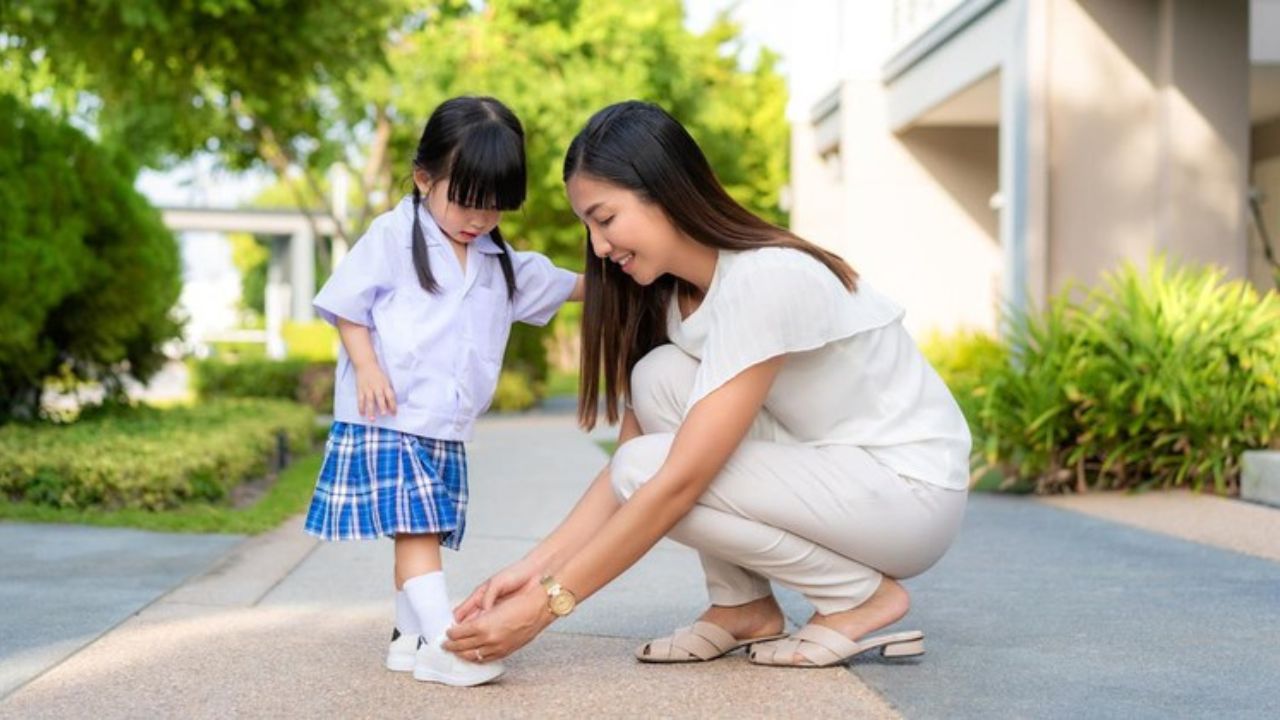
(418, 573)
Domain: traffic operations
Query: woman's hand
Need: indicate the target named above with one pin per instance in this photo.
(510, 579)
(374, 395)
(509, 626)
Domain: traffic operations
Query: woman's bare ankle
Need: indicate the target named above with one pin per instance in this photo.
(758, 618)
(886, 606)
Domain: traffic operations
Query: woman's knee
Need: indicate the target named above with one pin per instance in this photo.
(660, 385)
(637, 460)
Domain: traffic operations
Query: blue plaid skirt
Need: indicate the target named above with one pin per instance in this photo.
(378, 483)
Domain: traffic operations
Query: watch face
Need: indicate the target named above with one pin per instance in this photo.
(562, 603)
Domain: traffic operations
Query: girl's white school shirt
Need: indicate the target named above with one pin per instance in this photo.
(441, 351)
(853, 376)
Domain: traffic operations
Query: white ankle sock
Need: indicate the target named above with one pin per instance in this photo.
(406, 619)
(430, 600)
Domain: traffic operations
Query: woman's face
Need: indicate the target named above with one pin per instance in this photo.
(636, 235)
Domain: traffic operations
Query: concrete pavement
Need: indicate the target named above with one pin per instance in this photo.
(1036, 612)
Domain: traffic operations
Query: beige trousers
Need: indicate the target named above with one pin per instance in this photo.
(827, 522)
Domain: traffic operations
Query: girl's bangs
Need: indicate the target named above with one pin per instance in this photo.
(488, 170)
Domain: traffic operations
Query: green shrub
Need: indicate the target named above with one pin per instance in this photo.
(314, 340)
(515, 392)
(88, 272)
(148, 458)
(304, 381)
(964, 360)
(1154, 379)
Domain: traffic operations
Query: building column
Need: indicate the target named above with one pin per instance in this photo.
(302, 273)
(276, 300)
(1024, 158)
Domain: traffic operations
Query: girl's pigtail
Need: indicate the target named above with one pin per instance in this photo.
(508, 271)
(421, 263)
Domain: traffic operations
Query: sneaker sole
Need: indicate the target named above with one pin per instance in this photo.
(400, 663)
(427, 675)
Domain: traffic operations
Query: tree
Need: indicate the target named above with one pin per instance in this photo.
(249, 80)
(88, 272)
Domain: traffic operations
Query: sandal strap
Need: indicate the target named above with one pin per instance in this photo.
(704, 640)
(701, 641)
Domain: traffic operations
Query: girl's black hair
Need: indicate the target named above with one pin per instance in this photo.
(478, 144)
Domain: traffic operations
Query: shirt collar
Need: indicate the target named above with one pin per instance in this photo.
(432, 232)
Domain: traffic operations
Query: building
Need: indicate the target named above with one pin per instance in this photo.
(964, 154)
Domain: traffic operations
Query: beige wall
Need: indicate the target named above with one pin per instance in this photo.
(1148, 134)
(1145, 118)
(913, 211)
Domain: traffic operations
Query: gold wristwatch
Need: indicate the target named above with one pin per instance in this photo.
(560, 601)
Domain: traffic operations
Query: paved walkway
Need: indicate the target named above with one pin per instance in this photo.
(1037, 612)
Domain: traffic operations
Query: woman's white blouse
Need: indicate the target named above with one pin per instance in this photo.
(853, 375)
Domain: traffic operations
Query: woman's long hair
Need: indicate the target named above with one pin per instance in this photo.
(478, 144)
(640, 147)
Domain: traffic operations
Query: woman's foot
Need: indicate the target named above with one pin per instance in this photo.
(758, 618)
(886, 606)
(719, 631)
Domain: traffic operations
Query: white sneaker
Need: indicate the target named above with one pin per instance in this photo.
(401, 654)
(435, 664)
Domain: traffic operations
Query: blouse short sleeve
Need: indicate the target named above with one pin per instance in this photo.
(541, 288)
(363, 274)
(776, 301)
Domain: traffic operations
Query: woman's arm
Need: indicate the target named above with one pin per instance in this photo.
(709, 435)
(579, 290)
(593, 509)
(713, 430)
(373, 391)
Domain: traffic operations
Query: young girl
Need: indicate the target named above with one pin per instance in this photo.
(424, 303)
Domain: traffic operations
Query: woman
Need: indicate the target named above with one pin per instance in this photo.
(777, 418)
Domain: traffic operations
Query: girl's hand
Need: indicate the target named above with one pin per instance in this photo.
(509, 626)
(510, 579)
(374, 395)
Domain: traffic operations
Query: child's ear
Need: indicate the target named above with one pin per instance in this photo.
(422, 180)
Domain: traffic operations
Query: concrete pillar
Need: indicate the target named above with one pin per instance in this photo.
(276, 299)
(1023, 157)
(302, 273)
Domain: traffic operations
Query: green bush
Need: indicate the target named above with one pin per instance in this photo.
(514, 393)
(964, 360)
(88, 272)
(1155, 379)
(148, 458)
(314, 340)
(304, 381)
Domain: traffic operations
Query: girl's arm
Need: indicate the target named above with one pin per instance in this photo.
(709, 435)
(593, 509)
(374, 394)
(579, 292)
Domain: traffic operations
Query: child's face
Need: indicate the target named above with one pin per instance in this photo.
(460, 224)
(625, 229)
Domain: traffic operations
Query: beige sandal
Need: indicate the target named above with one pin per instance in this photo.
(823, 647)
(700, 642)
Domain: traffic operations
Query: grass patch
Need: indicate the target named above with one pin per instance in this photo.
(286, 497)
(608, 446)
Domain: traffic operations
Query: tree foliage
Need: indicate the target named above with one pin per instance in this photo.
(88, 272)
